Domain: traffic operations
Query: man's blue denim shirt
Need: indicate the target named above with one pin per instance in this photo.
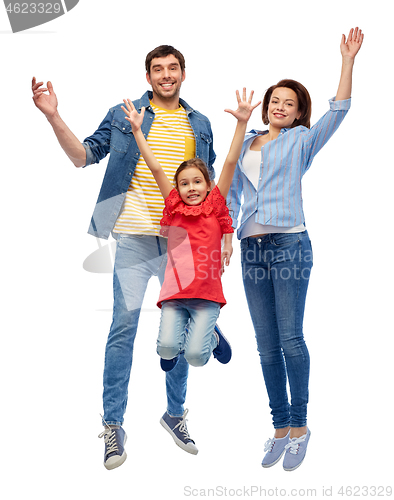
(114, 136)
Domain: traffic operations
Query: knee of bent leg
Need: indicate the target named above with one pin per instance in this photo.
(168, 352)
(197, 358)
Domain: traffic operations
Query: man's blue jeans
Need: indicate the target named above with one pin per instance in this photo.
(276, 269)
(137, 259)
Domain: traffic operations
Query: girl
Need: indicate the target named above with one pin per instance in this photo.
(275, 248)
(194, 218)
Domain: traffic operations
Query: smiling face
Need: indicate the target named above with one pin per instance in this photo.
(283, 108)
(192, 186)
(165, 77)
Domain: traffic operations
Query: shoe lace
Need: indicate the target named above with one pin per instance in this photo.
(182, 426)
(268, 445)
(294, 444)
(109, 438)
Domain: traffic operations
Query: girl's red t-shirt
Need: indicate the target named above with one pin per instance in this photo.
(194, 247)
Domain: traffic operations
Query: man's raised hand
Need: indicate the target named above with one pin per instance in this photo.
(44, 102)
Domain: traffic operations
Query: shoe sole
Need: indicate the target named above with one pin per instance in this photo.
(117, 463)
(294, 468)
(178, 442)
(218, 330)
(266, 466)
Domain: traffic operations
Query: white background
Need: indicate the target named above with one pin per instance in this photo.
(56, 316)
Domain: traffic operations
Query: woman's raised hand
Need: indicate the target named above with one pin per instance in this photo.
(245, 107)
(132, 115)
(352, 45)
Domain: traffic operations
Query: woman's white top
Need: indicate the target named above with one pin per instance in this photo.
(252, 166)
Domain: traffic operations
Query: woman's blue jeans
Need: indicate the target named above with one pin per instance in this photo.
(137, 259)
(276, 269)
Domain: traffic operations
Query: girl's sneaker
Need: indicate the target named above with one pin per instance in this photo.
(275, 448)
(223, 350)
(295, 451)
(168, 364)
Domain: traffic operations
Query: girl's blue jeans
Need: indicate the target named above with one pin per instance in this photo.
(275, 270)
(199, 341)
(137, 259)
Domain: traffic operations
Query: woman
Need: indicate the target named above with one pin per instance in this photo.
(275, 248)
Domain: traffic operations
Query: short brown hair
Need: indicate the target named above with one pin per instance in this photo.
(164, 51)
(193, 162)
(304, 102)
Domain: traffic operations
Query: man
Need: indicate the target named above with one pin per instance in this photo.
(130, 206)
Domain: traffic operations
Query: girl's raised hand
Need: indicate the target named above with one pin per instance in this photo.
(132, 115)
(245, 107)
(352, 45)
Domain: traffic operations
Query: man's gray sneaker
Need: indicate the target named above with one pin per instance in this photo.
(176, 426)
(114, 454)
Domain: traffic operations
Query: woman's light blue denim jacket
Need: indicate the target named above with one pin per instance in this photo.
(114, 136)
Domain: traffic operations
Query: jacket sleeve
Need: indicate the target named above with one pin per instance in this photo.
(97, 145)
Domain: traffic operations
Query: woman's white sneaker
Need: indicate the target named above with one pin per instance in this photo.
(275, 448)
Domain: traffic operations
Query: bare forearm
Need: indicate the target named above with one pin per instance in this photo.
(146, 152)
(228, 238)
(349, 50)
(67, 140)
(230, 163)
(236, 144)
(154, 166)
(345, 83)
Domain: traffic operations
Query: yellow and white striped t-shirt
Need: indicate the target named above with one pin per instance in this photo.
(172, 141)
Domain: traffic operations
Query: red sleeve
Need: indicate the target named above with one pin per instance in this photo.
(221, 212)
(169, 203)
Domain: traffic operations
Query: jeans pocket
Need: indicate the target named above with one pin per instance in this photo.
(284, 239)
(125, 240)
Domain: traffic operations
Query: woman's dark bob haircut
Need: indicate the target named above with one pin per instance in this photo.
(304, 102)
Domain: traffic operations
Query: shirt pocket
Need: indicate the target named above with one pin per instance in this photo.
(120, 136)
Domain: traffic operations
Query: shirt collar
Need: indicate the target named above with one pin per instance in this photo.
(149, 95)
